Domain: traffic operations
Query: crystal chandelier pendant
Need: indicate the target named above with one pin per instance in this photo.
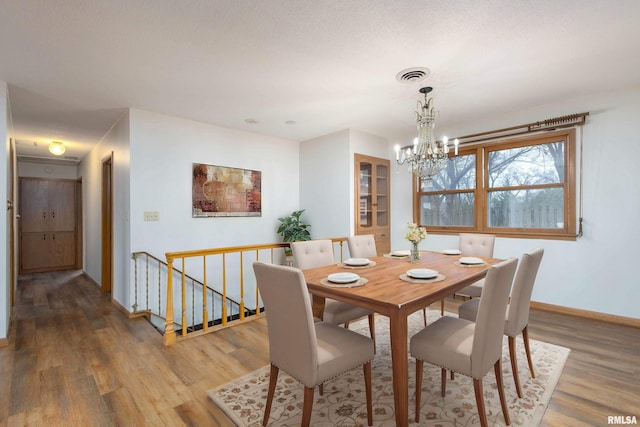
(427, 157)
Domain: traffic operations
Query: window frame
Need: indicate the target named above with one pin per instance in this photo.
(482, 190)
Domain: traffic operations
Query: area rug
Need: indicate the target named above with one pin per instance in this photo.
(343, 402)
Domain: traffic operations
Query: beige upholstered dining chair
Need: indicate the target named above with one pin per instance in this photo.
(469, 348)
(517, 315)
(471, 244)
(318, 253)
(311, 352)
(362, 246)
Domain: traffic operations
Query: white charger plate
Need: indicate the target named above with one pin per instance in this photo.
(422, 273)
(470, 260)
(401, 253)
(356, 262)
(343, 277)
(451, 252)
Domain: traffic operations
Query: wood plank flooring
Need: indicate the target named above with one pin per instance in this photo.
(74, 359)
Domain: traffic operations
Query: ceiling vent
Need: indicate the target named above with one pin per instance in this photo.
(413, 75)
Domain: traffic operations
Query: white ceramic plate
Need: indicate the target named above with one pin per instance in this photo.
(451, 252)
(357, 261)
(342, 277)
(400, 253)
(469, 260)
(422, 273)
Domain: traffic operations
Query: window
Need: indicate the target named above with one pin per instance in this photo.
(521, 187)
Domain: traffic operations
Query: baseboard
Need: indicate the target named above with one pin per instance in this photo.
(119, 306)
(611, 318)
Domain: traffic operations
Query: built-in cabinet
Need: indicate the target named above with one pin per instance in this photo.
(48, 224)
(372, 200)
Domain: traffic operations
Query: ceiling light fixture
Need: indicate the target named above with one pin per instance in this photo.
(427, 156)
(56, 148)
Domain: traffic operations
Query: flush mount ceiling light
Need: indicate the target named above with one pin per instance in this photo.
(56, 148)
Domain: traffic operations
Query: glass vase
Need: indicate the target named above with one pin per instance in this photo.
(415, 254)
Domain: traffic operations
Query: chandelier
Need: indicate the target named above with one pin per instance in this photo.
(427, 156)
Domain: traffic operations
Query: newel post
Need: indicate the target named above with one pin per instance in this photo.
(169, 337)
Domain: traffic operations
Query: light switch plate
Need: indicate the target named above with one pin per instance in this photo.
(152, 216)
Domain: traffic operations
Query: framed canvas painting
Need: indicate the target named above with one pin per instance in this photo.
(222, 191)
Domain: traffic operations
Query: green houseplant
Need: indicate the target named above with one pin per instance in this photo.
(292, 229)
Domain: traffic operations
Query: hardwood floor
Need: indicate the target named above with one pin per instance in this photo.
(74, 359)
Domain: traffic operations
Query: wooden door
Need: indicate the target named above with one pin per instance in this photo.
(34, 205)
(34, 251)
(62, 253)
(48, 225)
(62, 205)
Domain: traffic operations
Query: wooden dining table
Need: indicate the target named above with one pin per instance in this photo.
(386, 293)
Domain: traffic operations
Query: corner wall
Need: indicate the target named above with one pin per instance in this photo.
(596, 272)
(115, 141)
(5, 219)
(163, 151)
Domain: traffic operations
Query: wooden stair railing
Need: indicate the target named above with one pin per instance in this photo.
(232, 275)
(158, 267)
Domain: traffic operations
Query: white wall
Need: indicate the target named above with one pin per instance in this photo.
(327, 179)
(163, 150)
(326, 169)
(46, 170)
(5, 182)
(116, 141)
(596, 272)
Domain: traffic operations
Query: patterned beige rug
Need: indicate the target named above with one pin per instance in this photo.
(343, 403)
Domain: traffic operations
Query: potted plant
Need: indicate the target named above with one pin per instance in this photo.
(292, 229)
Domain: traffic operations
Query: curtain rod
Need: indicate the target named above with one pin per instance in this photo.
(545, 125)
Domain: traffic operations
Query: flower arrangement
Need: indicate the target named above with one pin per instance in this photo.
(416, 234)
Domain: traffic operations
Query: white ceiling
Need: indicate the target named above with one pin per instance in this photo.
(73, 66)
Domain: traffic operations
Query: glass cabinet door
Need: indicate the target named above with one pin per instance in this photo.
(366, 195)
(372, 199)
(382, 197)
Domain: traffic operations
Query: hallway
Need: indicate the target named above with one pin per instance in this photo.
(75, 359)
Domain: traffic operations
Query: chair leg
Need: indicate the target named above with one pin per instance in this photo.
(372, 330)
(306, 406)
(424, 315)
(505, 411)
(514, 364)
(367, 384)
(273, 379)
(442, 307)
(477, 387)
(346, 325)
(419, 366)
(443, 382)
(321, 388)
(525, 337)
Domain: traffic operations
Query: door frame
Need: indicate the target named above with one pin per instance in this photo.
(13, 221)
(107, 223)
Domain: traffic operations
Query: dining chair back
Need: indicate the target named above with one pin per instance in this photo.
(319, 253)
(472, 244)
(466, 347)
(312, 253)
(362, 246)
(517, 313)
(311, 352)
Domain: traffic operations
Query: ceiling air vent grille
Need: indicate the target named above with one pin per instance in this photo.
(412, 75)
